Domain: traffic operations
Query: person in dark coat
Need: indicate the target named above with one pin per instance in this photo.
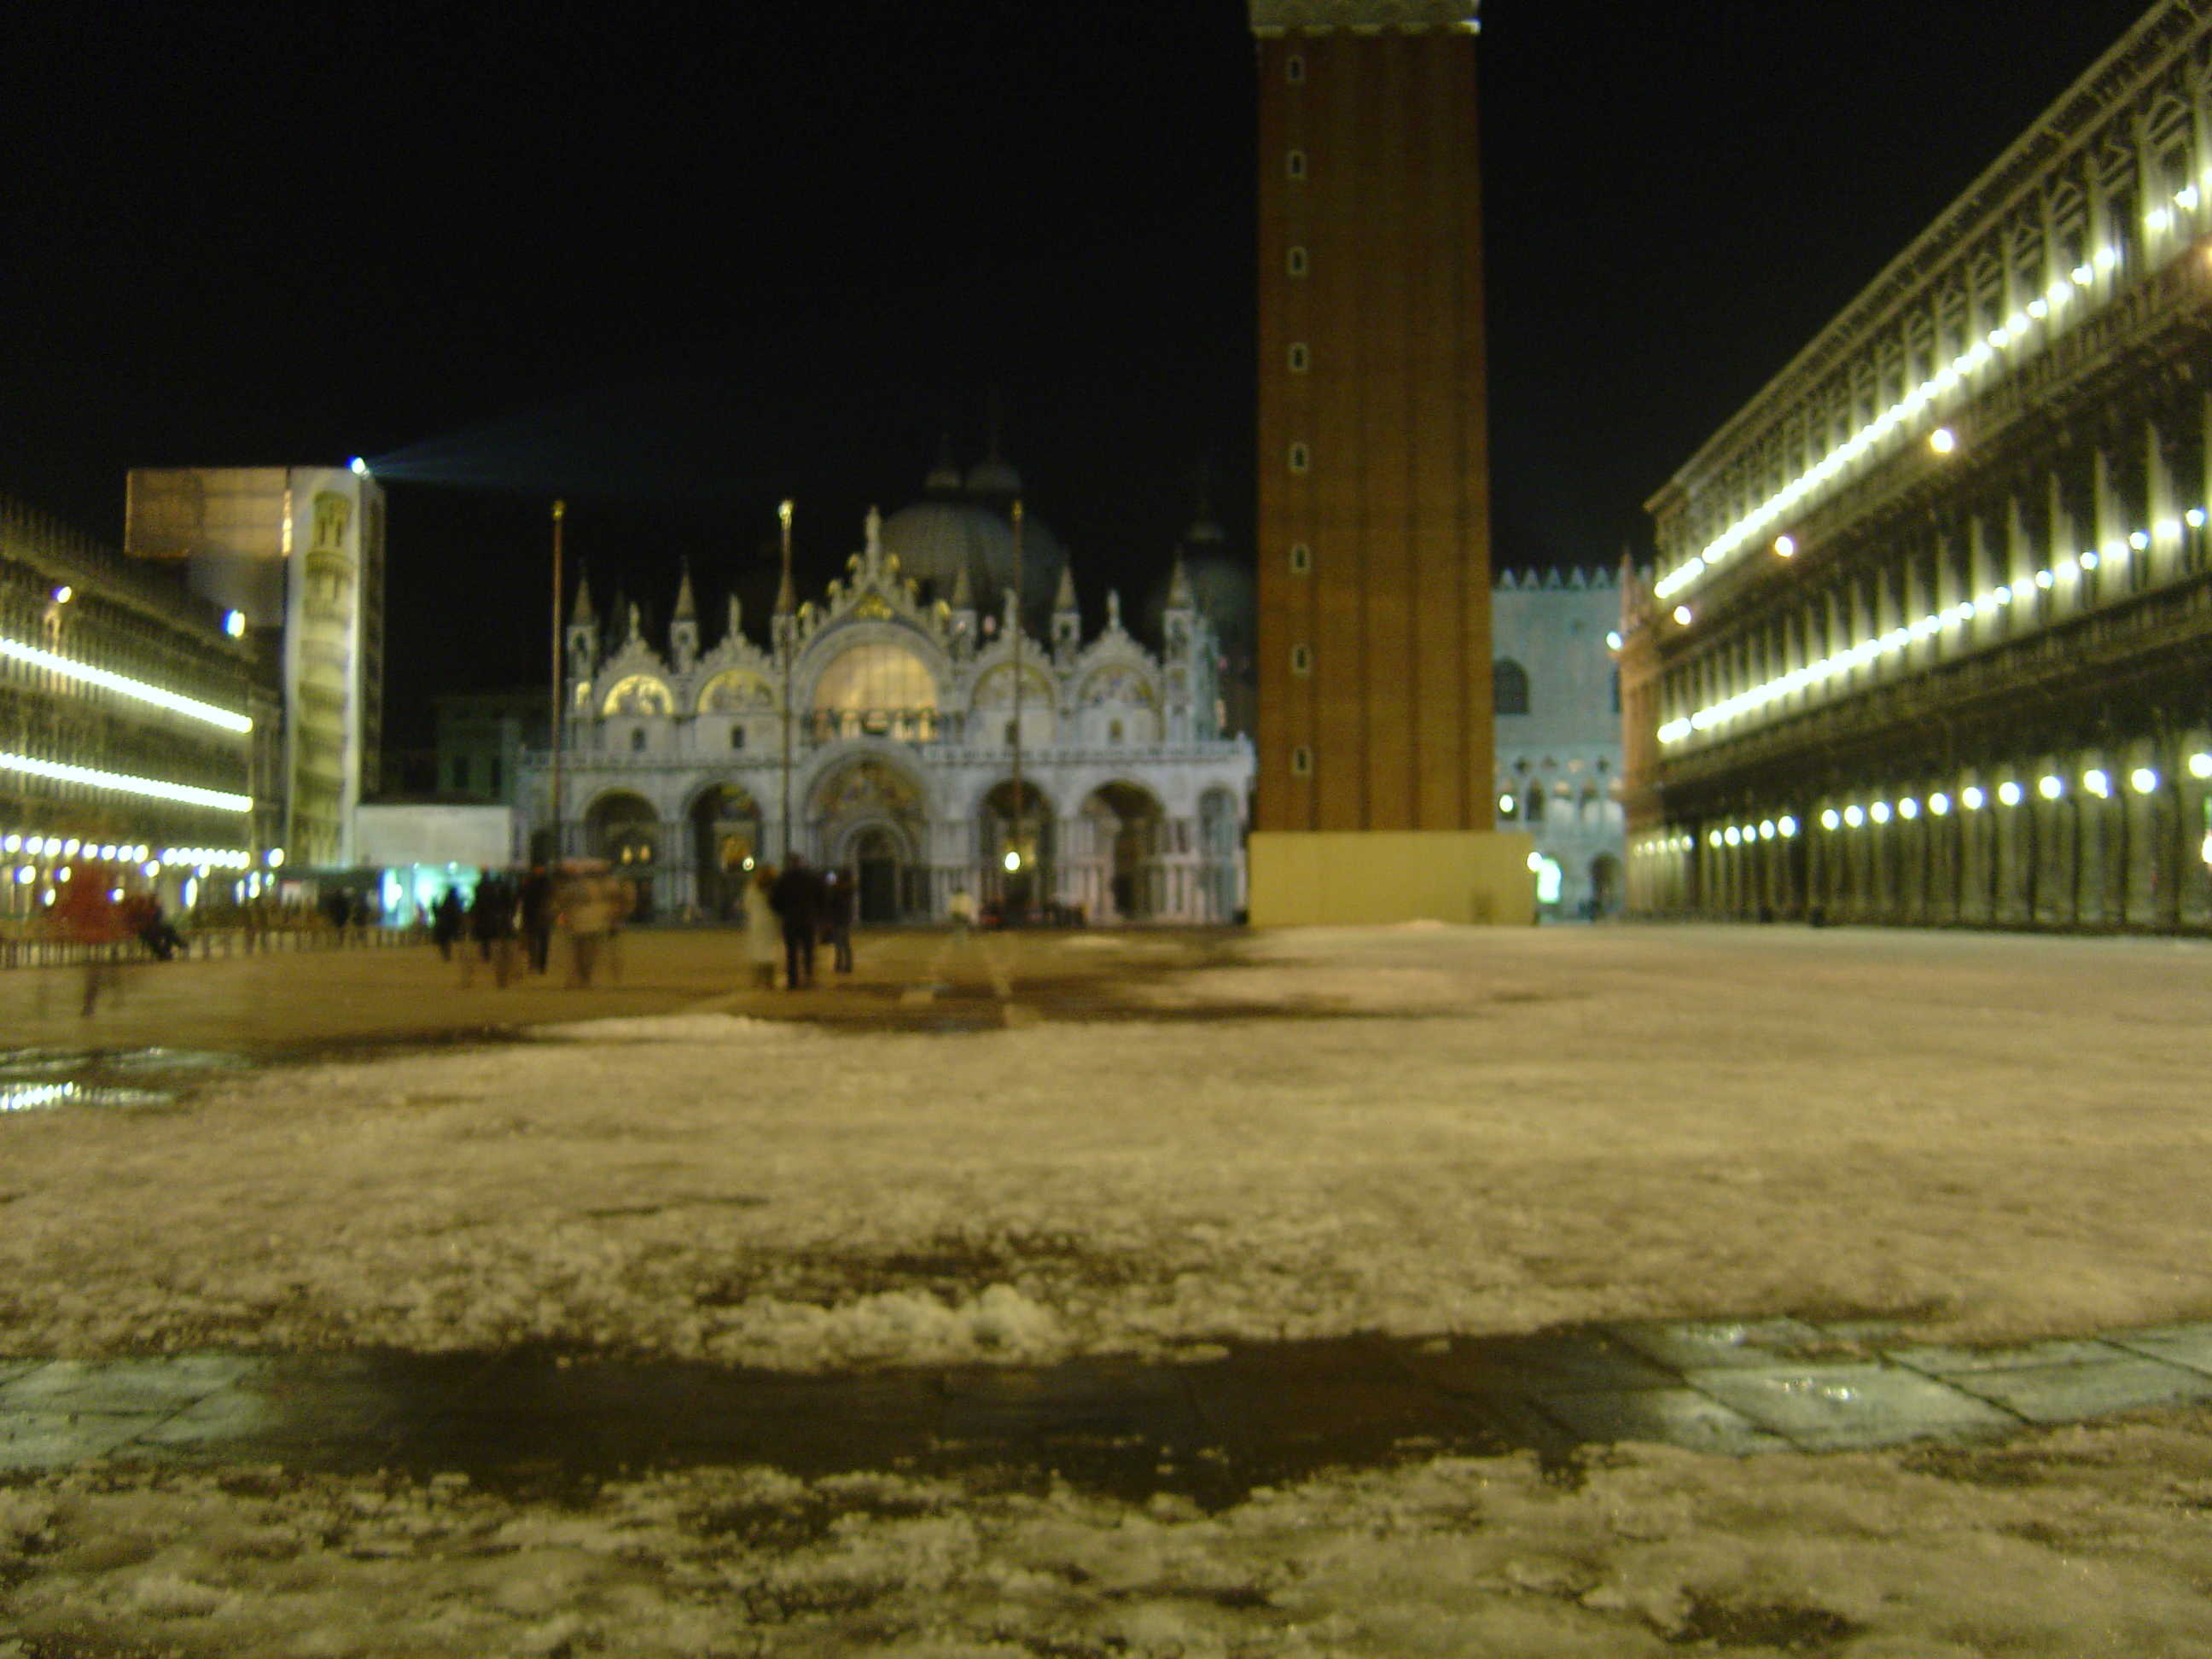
(837, 918)
(491, 924)
(537, 915)
(445, 922)
(796, 898)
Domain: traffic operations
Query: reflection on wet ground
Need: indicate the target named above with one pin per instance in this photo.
(1211, 1427)
(31, 1078)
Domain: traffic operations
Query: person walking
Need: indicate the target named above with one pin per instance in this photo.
(797, 900)
(961, 906)
(491, 924)
(837, 918)
(762, 943)
(537, 900)
(586, 904)
(85, 914)
(445, 922)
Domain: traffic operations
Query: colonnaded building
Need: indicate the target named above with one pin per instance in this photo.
(1930, 637)
(919, 740)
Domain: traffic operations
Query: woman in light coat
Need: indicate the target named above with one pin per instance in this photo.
(763, 934)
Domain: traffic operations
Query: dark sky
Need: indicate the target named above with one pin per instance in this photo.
(678, 268)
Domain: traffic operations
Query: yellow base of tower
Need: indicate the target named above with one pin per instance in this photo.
(1307, 877)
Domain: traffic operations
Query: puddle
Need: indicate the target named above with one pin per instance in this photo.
(31, 1096)
(34, 1080)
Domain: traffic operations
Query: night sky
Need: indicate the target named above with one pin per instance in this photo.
(678, 268)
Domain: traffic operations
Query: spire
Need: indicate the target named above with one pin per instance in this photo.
(944, 479)
(580, 614)
(737, 618)
(964, 597)
(1063, 603)
(687, 607)
(1179, 587)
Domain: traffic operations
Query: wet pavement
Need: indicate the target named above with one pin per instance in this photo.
(1210, 1428)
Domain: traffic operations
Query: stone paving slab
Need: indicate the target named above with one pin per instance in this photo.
(1966, 1362)
(2070, 1393)
(2177, 1344)
(1668, 1417)
(1257, 1414)
(57, 1439)
(75, 1385)
(1840, 1408)
(1709, 1344)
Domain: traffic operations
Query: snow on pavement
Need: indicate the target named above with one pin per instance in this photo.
(2069, 1545)
(1446, 1130)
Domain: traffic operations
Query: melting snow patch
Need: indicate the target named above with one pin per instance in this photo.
(665, 1028)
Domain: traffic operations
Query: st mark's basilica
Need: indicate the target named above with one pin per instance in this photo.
(930, 744)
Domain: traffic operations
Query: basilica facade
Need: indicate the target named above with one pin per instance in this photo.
(930, 745)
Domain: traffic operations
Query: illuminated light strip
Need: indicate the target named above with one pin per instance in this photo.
(128, 688)
(2015, 329)
(191, 794)
(1898, 639)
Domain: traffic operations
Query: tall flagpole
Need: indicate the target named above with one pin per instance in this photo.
(559, 512)
(1020, 849)
(785, 625)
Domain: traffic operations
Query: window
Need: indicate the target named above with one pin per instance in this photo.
(1301, 459)
(1509, 687)
(1294, 164)
(1298, 261)
(1616, 697)
(1013, 732)
(637, 740)
(1301, 659)
(875, 678)
(1300, 359)
(1301, 559)
(737, 737)
(1294, 69)
(1301, 762)
(1114, 731)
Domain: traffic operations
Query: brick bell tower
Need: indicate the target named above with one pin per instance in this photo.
(1375, 738)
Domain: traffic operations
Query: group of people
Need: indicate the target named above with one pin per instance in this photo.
(590, 905)
(799, 907)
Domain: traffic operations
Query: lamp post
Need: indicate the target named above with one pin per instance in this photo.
(559, 512)
(1016, 855)
(786, 624)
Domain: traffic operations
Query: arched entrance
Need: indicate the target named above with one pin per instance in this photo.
(1018, 841)
(726, 837)
(1133, 818)
(870, 816)
(623, 830)
(1604, 885)
(878, 865)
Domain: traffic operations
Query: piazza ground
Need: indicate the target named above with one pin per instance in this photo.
(1131, 1150)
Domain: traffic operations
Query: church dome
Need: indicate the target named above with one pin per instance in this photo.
(936, 540)
(993, 476)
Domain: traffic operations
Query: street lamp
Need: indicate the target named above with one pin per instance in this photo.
(786, 624)
(560, 514)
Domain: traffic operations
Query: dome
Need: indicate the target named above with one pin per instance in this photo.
(936, 540)
(993, 476)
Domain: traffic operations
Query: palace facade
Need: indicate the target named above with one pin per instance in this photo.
(930, 745)
(1930, 636)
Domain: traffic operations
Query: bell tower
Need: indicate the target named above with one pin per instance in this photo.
(1375, 734)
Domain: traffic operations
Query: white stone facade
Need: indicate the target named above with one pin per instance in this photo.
(900, 756)
(1557, 723)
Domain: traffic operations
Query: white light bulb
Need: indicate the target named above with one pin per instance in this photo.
(1908, 808)
(1973, 797)
(2200, 766)
(2008, 792)
(2194, 518)
(1682, 614)
(1939, 803)
(1879, 811)
(1787, 825)
(1785, 545)
(1943, 440)
(2094, 781)
(1829, 820)
(2050, 787)
(2144, 781)
(1854, 817)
